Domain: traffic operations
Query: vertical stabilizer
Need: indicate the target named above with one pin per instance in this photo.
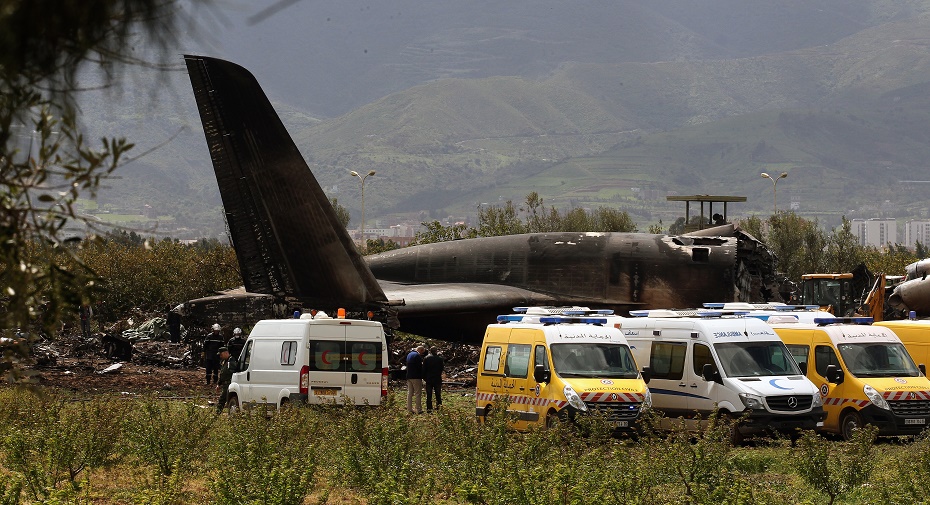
(287, 236)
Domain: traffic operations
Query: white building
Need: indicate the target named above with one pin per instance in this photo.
(916, 231)
(875, 232)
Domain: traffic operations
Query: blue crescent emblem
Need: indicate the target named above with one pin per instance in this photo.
(774, 385)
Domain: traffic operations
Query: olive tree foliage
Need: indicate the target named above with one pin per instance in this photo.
(802, 247)
(46, 163)
(342, 213)
(533, 217)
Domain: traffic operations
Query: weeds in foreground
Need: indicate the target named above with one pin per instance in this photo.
(55, 451)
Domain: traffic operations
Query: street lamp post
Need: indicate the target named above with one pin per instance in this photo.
(774, 187)
(361, 178)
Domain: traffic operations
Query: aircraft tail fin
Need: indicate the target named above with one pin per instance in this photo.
(288, 239)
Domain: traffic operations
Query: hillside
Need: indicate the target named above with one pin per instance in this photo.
(581, 103)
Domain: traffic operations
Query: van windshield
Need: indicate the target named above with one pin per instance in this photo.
(878, 360)
(756, 359)
(593, 360)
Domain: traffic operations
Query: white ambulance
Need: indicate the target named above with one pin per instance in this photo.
(313, 359)
(737, 365)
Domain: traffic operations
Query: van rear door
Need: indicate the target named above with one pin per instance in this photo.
(365, 351)
(327, 363)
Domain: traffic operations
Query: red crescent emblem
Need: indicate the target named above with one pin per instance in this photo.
(323, 358)
(360, 358)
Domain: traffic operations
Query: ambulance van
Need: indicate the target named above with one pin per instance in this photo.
(312, 359)
(864, 372)
(734, 364)
(915, 335)
(547, 364)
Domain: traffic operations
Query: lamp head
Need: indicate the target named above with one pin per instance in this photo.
(783, 175)
(763, 174)
(353, 173)
(372, 172)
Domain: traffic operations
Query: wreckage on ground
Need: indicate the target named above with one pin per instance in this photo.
(293, 251)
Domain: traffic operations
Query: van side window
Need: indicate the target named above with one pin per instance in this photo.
(492, 359)
(667, 360)
(800, 353)
(701, 356)
(364, 356)
(247, 356)
(325, 356)
(541, 359)
(288, 353)
(825, 355)
(518, 360)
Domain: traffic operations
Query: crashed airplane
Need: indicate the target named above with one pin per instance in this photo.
(291, 247)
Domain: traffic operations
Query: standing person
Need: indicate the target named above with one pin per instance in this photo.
(415, 380)
(211, 357)
(86, 314)
(236, 343)
(432, 375)
(174, 323)
(227, 367)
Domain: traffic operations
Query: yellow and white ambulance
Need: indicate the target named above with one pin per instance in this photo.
(864, 372)
(545, 364)
(915, 335)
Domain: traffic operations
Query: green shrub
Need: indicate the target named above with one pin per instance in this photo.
(54, 441)
(169, 435)
(259, 460)
(836, 469)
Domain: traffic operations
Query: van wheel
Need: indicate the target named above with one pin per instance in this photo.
(487, 414)
(851, 422)
(736, 438)
(552, 419)
(232, 405)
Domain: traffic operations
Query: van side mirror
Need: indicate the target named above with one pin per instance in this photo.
(923, 369)
(835, 375)
(647, 374)
(711, 374)
(803, 366)
(540, 374)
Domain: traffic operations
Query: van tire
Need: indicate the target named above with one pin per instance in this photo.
(850, 422)
(552, 419)
(232, 405)
(736, 438)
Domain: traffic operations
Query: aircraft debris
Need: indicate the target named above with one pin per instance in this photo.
(111, 369)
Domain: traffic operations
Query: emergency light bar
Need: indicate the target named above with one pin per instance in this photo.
(704, 314)
(568, 311)
(583, 320)
(823, 321)
(510, 318)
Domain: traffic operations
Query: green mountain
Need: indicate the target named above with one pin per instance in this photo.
(588, 104)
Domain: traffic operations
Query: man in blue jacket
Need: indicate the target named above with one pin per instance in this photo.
(415, 379)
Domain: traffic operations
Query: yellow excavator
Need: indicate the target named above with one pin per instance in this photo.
(838, 293)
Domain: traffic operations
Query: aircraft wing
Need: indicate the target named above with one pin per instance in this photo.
(288, 239)
(457, 311)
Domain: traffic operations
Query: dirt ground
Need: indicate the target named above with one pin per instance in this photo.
(72, 364)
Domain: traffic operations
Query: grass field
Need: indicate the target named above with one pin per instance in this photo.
(108, 449)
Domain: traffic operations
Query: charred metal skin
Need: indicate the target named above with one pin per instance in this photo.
(914, 292)
(291, 245)
(280, 221)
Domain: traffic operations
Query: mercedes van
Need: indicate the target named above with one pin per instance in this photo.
(735, 365)
(864, 372)
(546, 364)
(312, 359)
(915, 335)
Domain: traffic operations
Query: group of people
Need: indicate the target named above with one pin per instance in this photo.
(422, 369)
(219, 361)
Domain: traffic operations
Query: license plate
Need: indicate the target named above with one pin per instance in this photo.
(915, 421)
(326, 392)
(623, 424)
